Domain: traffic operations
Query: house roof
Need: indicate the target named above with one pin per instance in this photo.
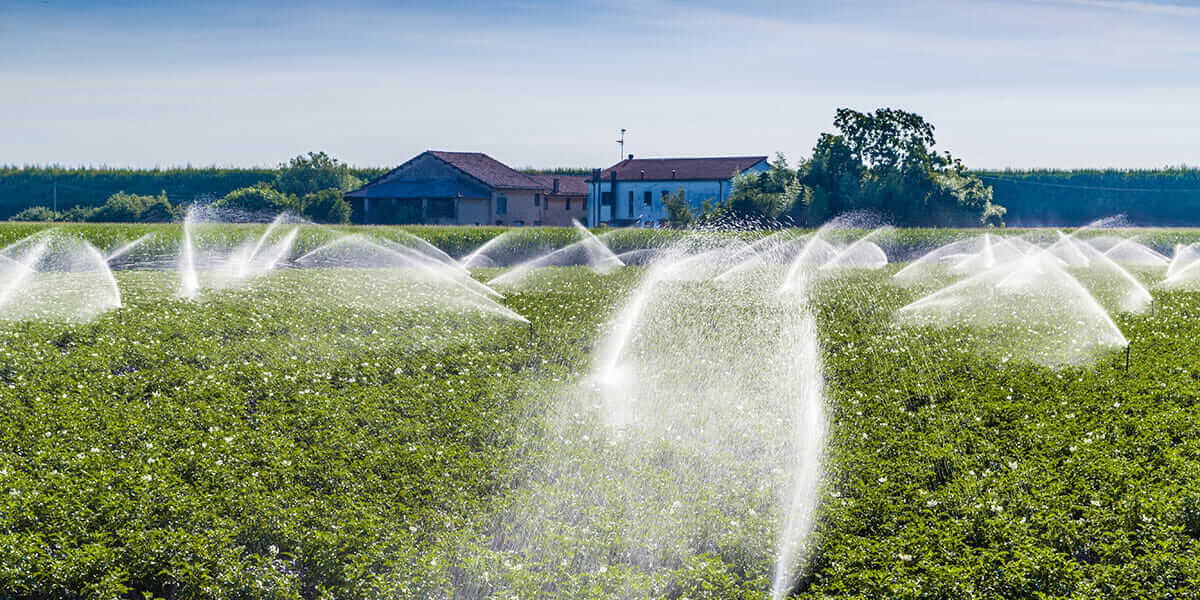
(568, 185)
(488, 170)
(660, 169)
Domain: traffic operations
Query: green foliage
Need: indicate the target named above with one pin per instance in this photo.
(884, 162)
(22, 187)
(313, 173)
(259, 199)
(249, 446)
(36, 213)
(679, 213)
(326, 206)
(764, 197)
(129, 208)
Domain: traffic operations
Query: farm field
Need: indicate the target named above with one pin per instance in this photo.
(329, 432)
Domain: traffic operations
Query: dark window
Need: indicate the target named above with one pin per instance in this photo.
(501, 205)
(518, 223)
(568, 204)
(606, 199)
(631, 203)
(537, 199)
(647, 198)
(499, 221)
(441, 208)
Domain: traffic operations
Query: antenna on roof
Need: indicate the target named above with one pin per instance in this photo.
(621, 152)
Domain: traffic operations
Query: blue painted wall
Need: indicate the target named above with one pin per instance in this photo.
(696, 192)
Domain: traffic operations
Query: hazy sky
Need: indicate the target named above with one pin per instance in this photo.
(1020, 83)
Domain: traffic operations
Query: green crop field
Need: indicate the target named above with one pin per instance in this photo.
(302, 436)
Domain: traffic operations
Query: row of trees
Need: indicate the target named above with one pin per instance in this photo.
(310, 185)
(882, 162)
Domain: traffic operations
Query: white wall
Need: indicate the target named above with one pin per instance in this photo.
(695, 192)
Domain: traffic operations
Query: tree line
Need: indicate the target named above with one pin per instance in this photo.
(1168, 196)
(309, 185)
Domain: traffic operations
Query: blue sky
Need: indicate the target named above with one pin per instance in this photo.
(1007, 83)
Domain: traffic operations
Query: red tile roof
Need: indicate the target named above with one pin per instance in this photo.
(568, 185)
(490, 171)
(660, 169)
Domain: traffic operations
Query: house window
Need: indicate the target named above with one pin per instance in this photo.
(499, 221)
(501, 205)
(518, 223)
(568, 204)
(537, 199)
(647, 198)
(631, 203)
(606, 198)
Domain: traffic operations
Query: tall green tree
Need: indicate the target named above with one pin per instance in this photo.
(312, 173)
(885, 162)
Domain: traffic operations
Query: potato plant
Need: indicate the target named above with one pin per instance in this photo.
(265, 442)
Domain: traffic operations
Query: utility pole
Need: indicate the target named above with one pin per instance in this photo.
(621, 152)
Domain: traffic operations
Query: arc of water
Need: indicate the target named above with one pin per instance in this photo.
(461, 275)
(432, 269)
(469, 261)
(1151, 254)
(28, 265)
(864, 243)
(758, 252)
(189, 282)
(123, 250)
(102, 263)
(592, 247)
(245, 258)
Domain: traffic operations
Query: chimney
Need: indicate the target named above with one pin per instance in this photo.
(630, 157)
(555, 185)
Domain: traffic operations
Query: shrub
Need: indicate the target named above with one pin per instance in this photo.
(129, 208)
(36, 213)
(78, 213)
(326, 206)
(159, 210)
(260, 198)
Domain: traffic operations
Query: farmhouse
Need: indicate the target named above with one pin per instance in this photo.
(565, 199)
(450, 188)
(633, 190)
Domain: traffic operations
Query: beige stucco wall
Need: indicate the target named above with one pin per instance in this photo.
(474, 211)
(557, 215)
(520, 208)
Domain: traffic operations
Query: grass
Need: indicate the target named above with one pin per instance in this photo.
(263, 443)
